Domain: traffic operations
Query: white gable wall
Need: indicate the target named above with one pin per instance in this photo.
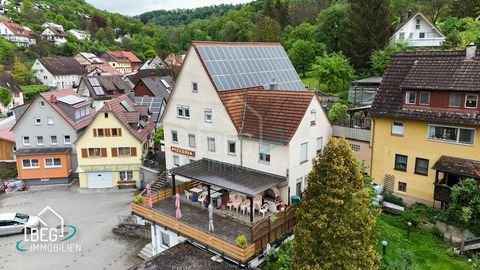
(412, 35)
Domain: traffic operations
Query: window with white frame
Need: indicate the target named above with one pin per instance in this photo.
(211, 144)
(471, 101)
(451, 134)
(319, 145)
(126, 175)
(191, 140)
(53, 162)
(53, 139)
(26, 140)
(298, 187)
(194, 87)
(30, 163)
(165, 239)
(40, 140)
(417, 24)
(411, 97)
(454, 100)
(397, 128)
(176, 160)
(264, 152)
(183, 112)
(174, 136)
(67, 139)
(401, 35)
(231, 148)
(424, 98)
(313, 117)
(208, 115)
(38, 121)
(303, 152)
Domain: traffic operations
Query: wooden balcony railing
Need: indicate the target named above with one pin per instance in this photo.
(442, 193)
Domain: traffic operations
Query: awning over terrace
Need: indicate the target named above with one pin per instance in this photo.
(459, 166)
(228, 176)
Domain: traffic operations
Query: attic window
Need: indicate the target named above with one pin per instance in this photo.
(411, 97)
(42, 104)
(194, 87)
(471, 101)
(417, 25)
(105, 115)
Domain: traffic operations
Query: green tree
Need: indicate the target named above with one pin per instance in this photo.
(334, 73)
(338, 112)
(465, 8)
(465, 204)
(302, 55)
(159, 136)
(368, 29)
(331, 26)
(380, 59)
(7, 52)
(267, 29)
(21, 72)
(335, 220)
(5, 96)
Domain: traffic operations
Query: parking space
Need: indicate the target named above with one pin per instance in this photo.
(93, 213)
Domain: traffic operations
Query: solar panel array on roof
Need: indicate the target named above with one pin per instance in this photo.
(165, 83)
(126, 106)
(94, 81)
(71, 100)
(156, 106)
(98, 90)
(236, 67)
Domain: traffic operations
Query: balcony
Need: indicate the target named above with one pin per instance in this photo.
(194, 225)
(425, 42)
(359, 134)
(442, 193)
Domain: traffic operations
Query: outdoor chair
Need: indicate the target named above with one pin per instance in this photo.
(202, 198)
(257, 202)
(236, 203)
(187, 195)
(245, 206)
(264, 209)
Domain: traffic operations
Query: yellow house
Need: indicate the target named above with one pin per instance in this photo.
(426, 116)
(113, 145)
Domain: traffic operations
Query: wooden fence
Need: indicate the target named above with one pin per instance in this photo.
(267, 231)
(168, 193)
(213, 242)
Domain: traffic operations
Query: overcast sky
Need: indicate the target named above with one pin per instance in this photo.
(135, 7)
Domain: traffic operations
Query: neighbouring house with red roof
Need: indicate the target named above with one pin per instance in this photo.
(113, 146)
(45, 134)
(7, 81)
(22, 36)
(58, 72)
(124, 61)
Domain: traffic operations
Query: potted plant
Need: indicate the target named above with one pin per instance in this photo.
(241, 241)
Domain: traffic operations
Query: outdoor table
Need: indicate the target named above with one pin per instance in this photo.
(196, 190)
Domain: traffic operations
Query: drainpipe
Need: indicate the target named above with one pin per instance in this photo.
(241, 150)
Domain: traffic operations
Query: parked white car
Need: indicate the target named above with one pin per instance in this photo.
(11, 223)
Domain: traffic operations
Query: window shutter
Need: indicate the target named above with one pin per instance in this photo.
(104, 152)
(107, 132)
(114, 152)
(94, 132)
(84, 152)
(119, 132)
(133, 151)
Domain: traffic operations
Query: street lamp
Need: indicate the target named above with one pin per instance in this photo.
(384, 247)
(409, 224)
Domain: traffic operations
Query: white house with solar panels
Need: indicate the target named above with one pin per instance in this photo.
(240, 120)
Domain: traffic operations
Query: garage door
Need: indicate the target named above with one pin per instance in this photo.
(100, 180)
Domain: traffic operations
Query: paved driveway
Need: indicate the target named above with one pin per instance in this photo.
(93, 213)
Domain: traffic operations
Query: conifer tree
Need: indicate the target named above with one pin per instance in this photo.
(335, 219)
(368, 29)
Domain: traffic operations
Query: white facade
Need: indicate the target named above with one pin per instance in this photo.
(24, 41)
(284, 159)
(48, 24)
(418, 32)
(54, 81)
(49, 35)
(79, 34)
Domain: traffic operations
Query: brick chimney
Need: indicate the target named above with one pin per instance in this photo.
(470, 51)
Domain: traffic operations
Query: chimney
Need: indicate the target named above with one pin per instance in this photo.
(273, 85)
(470, 51)
(53, 99)
(410, 13)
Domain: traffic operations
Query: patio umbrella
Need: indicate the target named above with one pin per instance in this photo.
(210, 218)
(149, 196)
(178, 213)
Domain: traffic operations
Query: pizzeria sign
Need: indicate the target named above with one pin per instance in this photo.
(183, 151)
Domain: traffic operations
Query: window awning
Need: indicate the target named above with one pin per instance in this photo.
(460, 166)
(229, 176)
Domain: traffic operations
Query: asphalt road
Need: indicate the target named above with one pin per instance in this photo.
(93, 213)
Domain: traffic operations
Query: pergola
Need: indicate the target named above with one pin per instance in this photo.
(228, 176)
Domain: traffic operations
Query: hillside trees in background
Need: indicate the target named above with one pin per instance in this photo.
(5, 96)
(7, 50)
(331, 26)
(21, 72)
(465, 8)
(267, 29)
(368, 29)
(380, 59)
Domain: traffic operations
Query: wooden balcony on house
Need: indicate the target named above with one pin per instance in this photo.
(194, 225)
(442, 193)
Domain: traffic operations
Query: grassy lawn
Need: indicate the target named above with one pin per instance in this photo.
(309, 80)
(429, 253)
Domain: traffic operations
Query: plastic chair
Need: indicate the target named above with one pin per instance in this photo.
(187, 195)
(245, 206)
(257, 202)
(236, 203)
(202, 198)
(264, 209)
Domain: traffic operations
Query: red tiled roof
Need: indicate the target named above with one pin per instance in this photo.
(7, 135)
(115, 107)
(18, 29)
(131, 57)
(63, 93)
(272, 115)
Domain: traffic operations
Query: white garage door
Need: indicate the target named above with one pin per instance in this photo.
(100, 180)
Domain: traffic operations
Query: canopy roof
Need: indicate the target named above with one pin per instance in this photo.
(461, 166)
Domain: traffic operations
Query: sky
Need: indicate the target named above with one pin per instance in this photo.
(135, 7)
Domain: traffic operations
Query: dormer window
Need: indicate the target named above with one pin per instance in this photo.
(424, 98)
(471, 101)
(81, 113)
(411, 97)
